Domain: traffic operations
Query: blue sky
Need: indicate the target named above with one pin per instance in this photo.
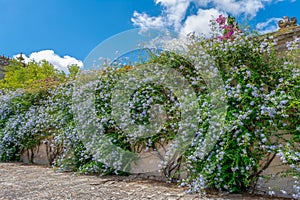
(75, 27)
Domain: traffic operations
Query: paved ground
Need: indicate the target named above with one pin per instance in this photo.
(21, 181)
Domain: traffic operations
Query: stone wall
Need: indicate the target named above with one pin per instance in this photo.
(286, 35)
(1, 72)
(4, 61)
(44, 154)
(276, 181)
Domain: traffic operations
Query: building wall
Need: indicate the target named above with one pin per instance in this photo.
(1, 72)
(286, 35)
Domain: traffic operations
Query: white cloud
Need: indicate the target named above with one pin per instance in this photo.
(145, 21)
(199, 23)
(268, 26)
(246, 7)
(174, 13)
(60, 63)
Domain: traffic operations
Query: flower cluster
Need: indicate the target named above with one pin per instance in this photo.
(228, 26)
(263, 109)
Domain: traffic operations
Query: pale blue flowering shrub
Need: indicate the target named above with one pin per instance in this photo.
(263, 113)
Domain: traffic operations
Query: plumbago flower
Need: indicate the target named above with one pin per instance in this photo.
(32, 118)
(262, 119)
(263, 109)
(9, 106)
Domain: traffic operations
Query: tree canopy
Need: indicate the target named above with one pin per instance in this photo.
(33, 75)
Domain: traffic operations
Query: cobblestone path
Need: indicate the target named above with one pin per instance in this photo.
(20, 181)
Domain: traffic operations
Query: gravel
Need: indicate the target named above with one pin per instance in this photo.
(22, 181)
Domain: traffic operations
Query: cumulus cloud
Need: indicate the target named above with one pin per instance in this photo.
(246, 7)
(145, 21)
(174, 11)
(199, 23)
(174, 14)
(268, 26)
(60, 63)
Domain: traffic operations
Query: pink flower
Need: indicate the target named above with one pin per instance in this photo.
(229, 34)
(220, 37)
(221, 20)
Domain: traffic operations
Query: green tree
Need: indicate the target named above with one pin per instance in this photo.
(73, 69)
(32, 75)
